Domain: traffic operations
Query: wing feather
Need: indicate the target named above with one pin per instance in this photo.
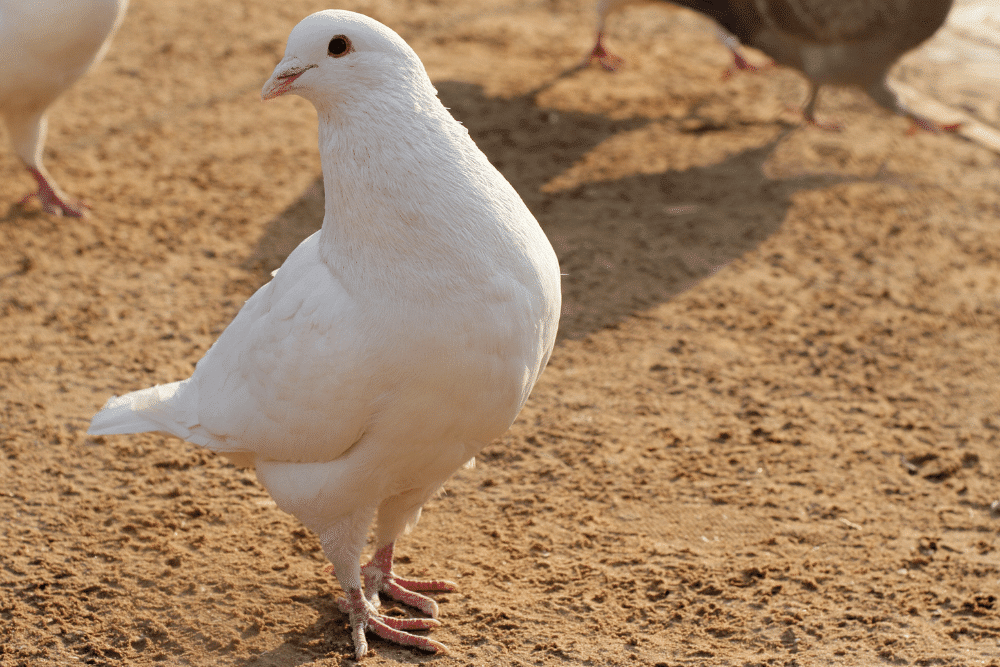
(286, 380)
(835, 21)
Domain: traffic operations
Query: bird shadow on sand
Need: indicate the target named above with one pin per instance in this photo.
(329, 638)
(625, 244)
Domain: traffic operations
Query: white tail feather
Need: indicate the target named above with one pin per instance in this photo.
(153, 409)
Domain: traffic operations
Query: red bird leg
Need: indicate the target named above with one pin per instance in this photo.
(809, 111)
(608, 60)
(53, 199)
(918, 123)
(882, 95)
(363, 616)
(379, 578)
(740, 64)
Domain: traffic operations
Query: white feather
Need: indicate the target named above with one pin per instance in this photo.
(45, 46)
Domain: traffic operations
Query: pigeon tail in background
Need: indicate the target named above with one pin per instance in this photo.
(45, 46)
(833, 42)
(393, 344)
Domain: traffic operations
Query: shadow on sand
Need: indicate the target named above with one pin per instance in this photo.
(624, 245)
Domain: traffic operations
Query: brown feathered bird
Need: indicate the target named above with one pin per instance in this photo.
(832, 42)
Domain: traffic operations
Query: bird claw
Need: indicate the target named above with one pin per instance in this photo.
(741, 64)
(829, 126)
(380, 579)
(53, 200)
(609, 61)
(57, 206)
(364, 616)
(918, 123)
(394, 622)
(405, 591)
(826, 126)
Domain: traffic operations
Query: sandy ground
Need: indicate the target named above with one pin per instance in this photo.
(768, 434)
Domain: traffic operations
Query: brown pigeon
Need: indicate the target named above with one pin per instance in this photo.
(838, 42)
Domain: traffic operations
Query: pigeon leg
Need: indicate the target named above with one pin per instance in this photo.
(53, 199)
(809, 111)
(885, 97)
(27, 136)
(363, 616)
(608, 60)
(918, 123)
(342, 543)
(379, 578)
(740, 64)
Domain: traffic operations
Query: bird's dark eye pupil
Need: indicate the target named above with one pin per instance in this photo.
(338, 46)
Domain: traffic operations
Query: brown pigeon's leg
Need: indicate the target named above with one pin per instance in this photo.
(809, 111)
(608, 60)
(54, 200)
(885, 97)
(379, 578)
(920, 123)
(740, 64)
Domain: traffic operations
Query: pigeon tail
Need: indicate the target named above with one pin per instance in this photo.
(152, 409)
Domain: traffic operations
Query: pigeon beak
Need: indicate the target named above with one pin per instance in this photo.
(283, 78)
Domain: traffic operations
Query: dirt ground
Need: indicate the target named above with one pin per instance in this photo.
(769, 433)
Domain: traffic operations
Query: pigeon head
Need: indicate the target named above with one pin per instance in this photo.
(336, 55)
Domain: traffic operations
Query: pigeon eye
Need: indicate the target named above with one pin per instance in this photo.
(339, 46)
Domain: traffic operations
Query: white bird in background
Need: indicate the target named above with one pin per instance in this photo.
(393, 344)
(833, 42)
(45, 46)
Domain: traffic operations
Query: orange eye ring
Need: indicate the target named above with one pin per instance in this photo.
(339, 46)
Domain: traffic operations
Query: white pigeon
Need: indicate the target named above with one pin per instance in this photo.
(45, 46)
(393, 344)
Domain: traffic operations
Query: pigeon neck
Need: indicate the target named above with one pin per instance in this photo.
(398, 201)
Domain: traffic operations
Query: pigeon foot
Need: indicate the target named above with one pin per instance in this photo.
(826, 126)
(810, 119)
(379, 578)
(364, 616)
(54, 201)
(741, 64)
(918, 123)
(609, 61)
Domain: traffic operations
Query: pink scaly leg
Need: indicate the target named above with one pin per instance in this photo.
(918, 123)
(741, 64)
(379, 578)
(53, 200)
(882, 95)
(809, 112)
(608, 60)
(363, 616)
